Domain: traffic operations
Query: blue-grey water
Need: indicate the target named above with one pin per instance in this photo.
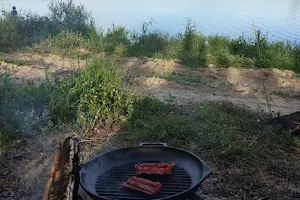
(280, 18)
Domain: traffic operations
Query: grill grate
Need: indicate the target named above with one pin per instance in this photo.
(110, 183)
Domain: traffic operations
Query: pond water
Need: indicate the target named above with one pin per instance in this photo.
(280, 18)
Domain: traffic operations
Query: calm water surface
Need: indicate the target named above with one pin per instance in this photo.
(280, 18)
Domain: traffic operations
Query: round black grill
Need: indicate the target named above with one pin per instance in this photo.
(110, 183)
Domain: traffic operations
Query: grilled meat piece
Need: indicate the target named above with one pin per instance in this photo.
(154, 168)
(143, 185)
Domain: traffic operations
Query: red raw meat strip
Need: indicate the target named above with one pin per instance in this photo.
(143, 185)
(154, 168)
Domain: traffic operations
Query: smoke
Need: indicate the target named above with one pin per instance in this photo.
(23, 109)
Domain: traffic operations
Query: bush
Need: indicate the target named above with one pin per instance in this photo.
(218, 50)
(172, 50)
(115, 37)
(242, 47)
(93, 97)
(67, 41)
(66, 15)
(148, 43)
(95, 40)
(36, 28)
(193, 50)
(296, 58)
(11, 34)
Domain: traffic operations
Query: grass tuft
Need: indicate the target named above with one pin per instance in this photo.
(281, 93)
(93, 98)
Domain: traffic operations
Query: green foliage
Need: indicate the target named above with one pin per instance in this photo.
(262, 53)
(172, 50)
(116, 37)
(30, 28)
(35, 28)
(296, 58)
(66, 15)
(67, 42)
(93, 97)
(218, 51)
(193, 47)
(11, 34)
(148, 43)
(95, 40)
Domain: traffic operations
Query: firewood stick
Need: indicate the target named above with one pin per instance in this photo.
(51, 176)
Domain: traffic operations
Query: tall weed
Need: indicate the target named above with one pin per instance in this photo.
(193, 50)
(95, 40)
(94, 97)
(148, 43)
(218, 50)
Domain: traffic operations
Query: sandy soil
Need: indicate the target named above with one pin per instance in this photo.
(250, 87)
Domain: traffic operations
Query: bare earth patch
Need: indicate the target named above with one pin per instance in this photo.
(242, 86)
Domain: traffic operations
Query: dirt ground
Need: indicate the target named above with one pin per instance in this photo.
(250, 87)
(25, 172)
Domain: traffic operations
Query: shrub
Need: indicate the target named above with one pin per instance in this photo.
(116, 36)
(148, 43)
(11, 34)
(218, 50)
(193, 47)
(95, 40)
(93, 97)
(67, 41)
(36, 28)
(66, 15)
(173, 49)
(296, 58)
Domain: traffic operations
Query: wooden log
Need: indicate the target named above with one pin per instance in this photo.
(62, 181)
(51, 176)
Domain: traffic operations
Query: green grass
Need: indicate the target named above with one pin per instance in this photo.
(186, 79)
(222, 127)
(281, 93)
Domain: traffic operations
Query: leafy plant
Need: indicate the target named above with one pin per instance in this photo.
(11, 34)
(66, 15)
(94, 97)
(115, 37)
(193, 50)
